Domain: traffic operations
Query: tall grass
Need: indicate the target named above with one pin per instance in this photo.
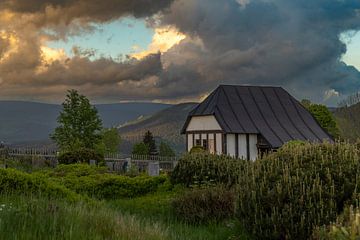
(40, 218)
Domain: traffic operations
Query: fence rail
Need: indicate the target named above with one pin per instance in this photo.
(116, 162)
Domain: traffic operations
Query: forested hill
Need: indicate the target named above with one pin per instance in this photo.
(165, 125)
(30, 122)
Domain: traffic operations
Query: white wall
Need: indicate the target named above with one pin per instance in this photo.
(201, 123)
(242, 146)
(230, 144)
(189, 141)
(218, 144)
(252, 147)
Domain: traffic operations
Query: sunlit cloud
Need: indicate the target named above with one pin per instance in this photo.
(163, 39)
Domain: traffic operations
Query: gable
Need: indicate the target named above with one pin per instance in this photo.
(203, 123)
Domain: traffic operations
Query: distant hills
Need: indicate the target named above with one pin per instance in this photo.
(30, 123)
(165, 125)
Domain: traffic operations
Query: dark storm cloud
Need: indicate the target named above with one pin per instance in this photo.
(295, 44)
(56, 11)
(289, 43)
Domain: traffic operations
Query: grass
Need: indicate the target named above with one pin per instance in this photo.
(156, 208)
(39, 218)
(48, 216)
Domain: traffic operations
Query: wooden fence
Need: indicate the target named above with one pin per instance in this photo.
(116, 162)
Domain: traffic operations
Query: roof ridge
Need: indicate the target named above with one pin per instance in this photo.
(248, 85)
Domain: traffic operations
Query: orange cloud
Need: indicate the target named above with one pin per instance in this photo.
(163, 39)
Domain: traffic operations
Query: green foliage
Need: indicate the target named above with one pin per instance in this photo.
(346, 227)
(197, 169)
(39, 218)
(324, 117)
(73, 170)
(203, 205)
(79, 124)
(150, 141)
(80, 155)
(288, 193)
(110, 141)
(93, 182)
(141, 149)
(294, 143)
(16, 182)
(197, 150)
(165, 150)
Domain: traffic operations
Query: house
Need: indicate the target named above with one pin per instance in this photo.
(245, 121)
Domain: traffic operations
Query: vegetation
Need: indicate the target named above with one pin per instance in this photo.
(141, 149)
(33, 207)
(148, 147)
(79, 124)
(93, 182)
(197, 150)
(40, 218)
(204, 205)
(165, 150)
(110, 141)
(150, 142)
(80, 155)
(346, 227)
(287, 194)
(324, 117)
(198, 169)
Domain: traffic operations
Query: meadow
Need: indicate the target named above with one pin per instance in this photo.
(84, 202)
(302, 191)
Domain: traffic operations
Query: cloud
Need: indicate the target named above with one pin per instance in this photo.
(163, 39)
(295, 44)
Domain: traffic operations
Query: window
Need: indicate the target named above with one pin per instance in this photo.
(197, 142)
(205, 144)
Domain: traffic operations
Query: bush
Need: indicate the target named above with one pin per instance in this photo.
(346, 227)
(81, 155)
(14, 181)
(197, 150)
(196, 169)
(92, 181)
(76, 170)
(288, 193)
(204, 205)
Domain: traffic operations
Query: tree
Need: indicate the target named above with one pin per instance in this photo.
(79, 124)
(140, 149)
(165, 150)
(110, 141)
(149, 140)
(324, 117)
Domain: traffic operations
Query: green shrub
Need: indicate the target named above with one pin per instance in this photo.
(77, 170)
(94, 182)
(204, 205)
(197, 150)
(80, 155)
(346, 227)
(196, 169)
(288, 193)
(14, 181)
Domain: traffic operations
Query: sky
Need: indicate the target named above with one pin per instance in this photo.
(177, 50)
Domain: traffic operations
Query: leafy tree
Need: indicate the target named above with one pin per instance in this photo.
(140, 149)
(110, 141)
(165, 150)
(79, 124)
(324, 117)
(150, 141)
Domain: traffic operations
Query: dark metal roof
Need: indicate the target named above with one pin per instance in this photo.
(269, 111)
